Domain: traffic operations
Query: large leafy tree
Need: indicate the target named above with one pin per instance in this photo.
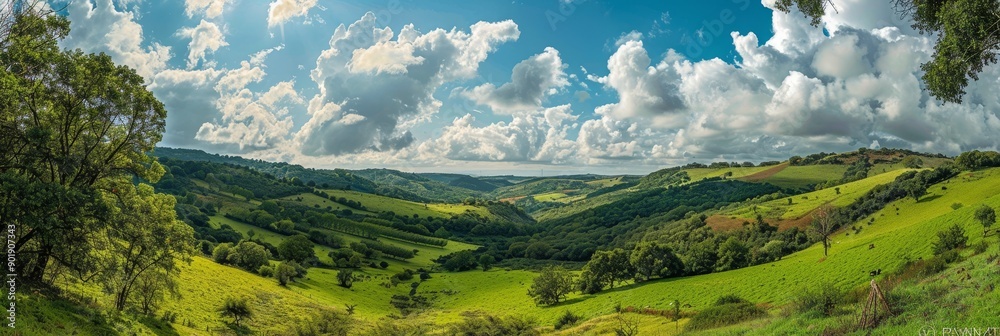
(551, 285)
(151, 243)
(70, 125)
(968, 37)
(654, 260)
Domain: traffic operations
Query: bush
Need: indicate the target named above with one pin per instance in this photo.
(483, 324)
(567, 319)
(727, 310)
(822, 299)
(980, 247)
(345, 278)
(237, 309)
(221, 253)
(328, 322)
(266, 271)
(950, 239)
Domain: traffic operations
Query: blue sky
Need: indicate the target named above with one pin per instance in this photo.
(507, 87)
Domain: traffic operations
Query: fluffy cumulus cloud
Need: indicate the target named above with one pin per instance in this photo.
(209, 8)
(214, 108)
(644, 91)
(531, 81)
(97, 26)
(529, 137)
(800, 91)
(373, 84)
(206, 38)
(281, 11)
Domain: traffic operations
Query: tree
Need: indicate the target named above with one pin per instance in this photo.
(823, 225)
(152, 242)
(950, 239)
(221, 253)
(701, 258)
(733, 254)
(551, 285)
(345, 278)
(606, 268)
(285, 272)
(460, 261)
(986, 216)
(913, 162)
(651, 259)
(486, 262)
(297, 248)
(71, 122)
(916, 189)
(237, 309)
(967, 38)
(249, 256)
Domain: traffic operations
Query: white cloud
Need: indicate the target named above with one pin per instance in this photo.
(531, 80)
(389, 82)
(528, 137)
(210, 8)
(643, 90)
(99, 27)
(281, 11)
(206, 38)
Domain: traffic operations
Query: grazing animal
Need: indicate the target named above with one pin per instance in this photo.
(871, 246)
(875, 272)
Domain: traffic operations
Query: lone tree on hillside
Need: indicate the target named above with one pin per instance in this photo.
(551, 286)
(967, 37)
(987, 217)
(237, 309)
(345, 278)
(823, 226)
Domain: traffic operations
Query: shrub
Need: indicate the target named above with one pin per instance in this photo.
(950, 239)
(266, 271)
(483, 324)
(221, 253)
(727, 310)
(328, 322)
(980, 247)
(567, 319)
(822, 299)
(345, 278)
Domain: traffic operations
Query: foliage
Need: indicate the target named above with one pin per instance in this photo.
(288, 271)
(152, 241)
(986, 216)
(238, 309)
(726, 311)
(651, 259)
(486, 261)
(345, 278)
(950, 239)
(485, 324)
(248, 255)
(977, 160)
(458, 261)
(297, 248)
(551, 285)
(567, 319)
(73, 126)
(822, 299)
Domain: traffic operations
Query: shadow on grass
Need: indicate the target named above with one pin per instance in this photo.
(239, 329)
(929, 198)
(158, 326)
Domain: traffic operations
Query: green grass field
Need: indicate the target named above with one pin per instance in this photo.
(604, 183)
(896, 237)
(423, 259)
(803, 204)
(551, 197)
(376, 203)
(802, 176)
(696, 174)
